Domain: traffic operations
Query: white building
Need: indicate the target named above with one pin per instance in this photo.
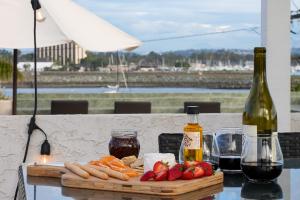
(69, 53)
(40, 66)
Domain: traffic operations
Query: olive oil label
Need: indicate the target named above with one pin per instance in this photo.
(192, 140)
(250, 130)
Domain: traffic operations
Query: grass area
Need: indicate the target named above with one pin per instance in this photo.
(161, 103)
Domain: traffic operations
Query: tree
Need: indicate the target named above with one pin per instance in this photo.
(94, 60)
(26, 67)
(6, 55)
(6, 71)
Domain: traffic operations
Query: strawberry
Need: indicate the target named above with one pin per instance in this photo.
(147, 176)
(188, 173)
(198, 172)
(175, 172)
(160, 166)
(207, 168)
(161, 176)
(188, 164)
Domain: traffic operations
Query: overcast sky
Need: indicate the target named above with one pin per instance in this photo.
(152, 19)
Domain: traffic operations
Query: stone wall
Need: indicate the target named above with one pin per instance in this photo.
(85, 137)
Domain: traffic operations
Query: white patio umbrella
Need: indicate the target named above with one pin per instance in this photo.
(65, 21)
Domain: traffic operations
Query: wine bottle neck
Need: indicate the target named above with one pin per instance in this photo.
(259, 68)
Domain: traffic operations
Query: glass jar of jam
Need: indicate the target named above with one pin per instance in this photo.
(124, 143)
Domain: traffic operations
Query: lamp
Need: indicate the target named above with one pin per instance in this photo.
(45, 148)
(45, 151)
(37, 7)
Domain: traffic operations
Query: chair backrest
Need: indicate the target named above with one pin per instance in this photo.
(170, 143)
(131, 107)
(69, 107)
(204, 107)
(290, 144)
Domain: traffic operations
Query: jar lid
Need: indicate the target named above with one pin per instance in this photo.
(124, 133)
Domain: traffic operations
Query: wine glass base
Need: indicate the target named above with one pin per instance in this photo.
(229, 171)
(261, 181)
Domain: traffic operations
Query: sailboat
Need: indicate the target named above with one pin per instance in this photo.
(115, 88)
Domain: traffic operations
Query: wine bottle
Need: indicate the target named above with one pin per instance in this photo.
(259, 116)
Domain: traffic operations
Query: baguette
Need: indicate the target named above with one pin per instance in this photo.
(111, 173)
(76, 170)
(92, 171)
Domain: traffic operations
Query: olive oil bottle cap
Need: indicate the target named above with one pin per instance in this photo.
(193, 110)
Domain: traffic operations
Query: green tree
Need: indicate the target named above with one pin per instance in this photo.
(94, 60)
(6, 71)
(26, 67)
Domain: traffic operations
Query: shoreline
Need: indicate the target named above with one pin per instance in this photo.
(209, 80)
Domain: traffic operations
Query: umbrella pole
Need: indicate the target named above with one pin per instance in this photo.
(15, 81)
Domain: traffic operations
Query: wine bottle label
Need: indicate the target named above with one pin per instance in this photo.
(250, 130)
(192, 140)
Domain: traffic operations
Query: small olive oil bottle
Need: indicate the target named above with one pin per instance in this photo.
(193, 138)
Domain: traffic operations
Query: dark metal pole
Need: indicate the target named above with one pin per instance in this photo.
(295, 16)
(15, 81)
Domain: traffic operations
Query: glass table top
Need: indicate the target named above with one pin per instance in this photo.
(235, 187)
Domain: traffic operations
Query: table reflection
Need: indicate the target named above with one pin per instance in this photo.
(235, 187)
(268, 191)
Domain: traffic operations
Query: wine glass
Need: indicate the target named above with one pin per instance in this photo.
(229, 143)
(210, 149)
(262, 159)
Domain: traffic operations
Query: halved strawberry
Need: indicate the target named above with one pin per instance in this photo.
(198, 172)
(161, 176)
(147, 176)
(175, 172)
(207, 168)
(188, 164)
(188, 174)
(160, 166)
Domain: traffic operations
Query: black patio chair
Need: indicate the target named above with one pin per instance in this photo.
(170, 143)
(204, 107)
(60, 107)
(290, 144)
(132, 107)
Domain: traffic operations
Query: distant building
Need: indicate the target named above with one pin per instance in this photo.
(143, 63)
(29, 66)
(69, 53)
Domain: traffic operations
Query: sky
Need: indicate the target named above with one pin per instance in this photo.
(153, 19)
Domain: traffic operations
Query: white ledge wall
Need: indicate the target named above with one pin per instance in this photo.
(275, 28)
(86, 137)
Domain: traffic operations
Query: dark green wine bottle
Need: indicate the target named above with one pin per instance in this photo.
(259, 115)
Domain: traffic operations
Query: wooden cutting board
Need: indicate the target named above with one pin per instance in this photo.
(80, 194)
(165, 188)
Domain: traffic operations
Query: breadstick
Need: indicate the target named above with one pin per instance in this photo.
(93, 171)
(111, 173)
(77, 170)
